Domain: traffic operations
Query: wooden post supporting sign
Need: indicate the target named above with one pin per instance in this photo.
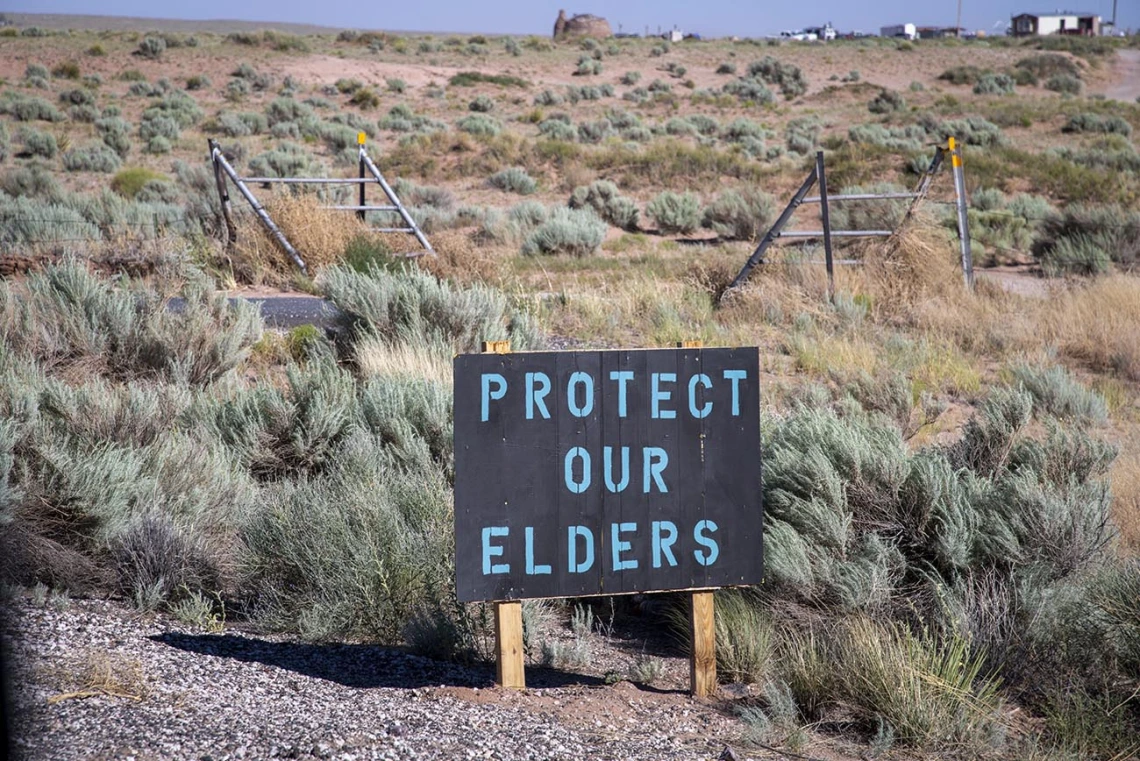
(510, 670)
(702, 623)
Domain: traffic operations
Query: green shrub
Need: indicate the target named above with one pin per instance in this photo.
(159, 144)
(630, 78)
(151, 47)
(788, 77)
(472, 78)
(802, 134)
(197, 82)
(34, 179)
(558, 129)
(26, 109)
(77, 97)
(115, 133)
(365, 98)
(868, 215)
(962, 75)
(334, 557)
(83, 114)
(1090, 122)
(424, 195)
(38, 143)
(35, 71)
(481, 104)
(607, 202)
(994, 84)
(547, 98)
(595, 132)
(577, 232)
(1063, 83)
(973, 130)
(93, 157)
(130, 181)
(512, 47)
(1086, 239)
(3, 142)
(236, 90)
(477, 124)
(1046, 65)
(726, 68)
(587, 66)
(66, 70)
(396, 85)
(82, 321)
(286, 160)
(415, 306)
(1055, 391)
(740, 214)
(675, 212)
(887, 101)
(513, 180)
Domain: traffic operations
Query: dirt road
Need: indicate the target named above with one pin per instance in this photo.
(1126, 76)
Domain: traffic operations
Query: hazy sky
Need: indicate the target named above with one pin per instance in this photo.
(709, 17)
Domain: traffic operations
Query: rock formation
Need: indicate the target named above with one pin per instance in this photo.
(582, 25)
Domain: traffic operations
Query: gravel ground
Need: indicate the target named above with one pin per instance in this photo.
(93, 680)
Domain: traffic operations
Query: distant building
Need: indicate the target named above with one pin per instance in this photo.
(938, 32)
(1057, 22)
(904, 31)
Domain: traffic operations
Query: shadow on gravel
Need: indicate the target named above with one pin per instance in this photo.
(361, 666)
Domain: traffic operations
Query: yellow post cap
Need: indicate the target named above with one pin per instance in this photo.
(360, 138)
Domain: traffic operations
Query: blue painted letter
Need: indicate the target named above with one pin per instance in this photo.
(703, 557)
(572, 534)
(657, 395)
(608, 456)
(577, 487)
(655, 459)
(587, 382)
(537, 398)
(735, 376)
(664, 545)
(706, 408)
(498, 393)
(531, 568)
(616, 529)
(622, 377)
(491, 550)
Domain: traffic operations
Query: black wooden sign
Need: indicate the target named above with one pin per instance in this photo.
(606, 472)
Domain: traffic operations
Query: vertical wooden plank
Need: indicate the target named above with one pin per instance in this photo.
(702, 664)
(702, 624)
(509, 653)
(509, 671)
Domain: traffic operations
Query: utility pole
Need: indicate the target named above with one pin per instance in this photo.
(958, 23)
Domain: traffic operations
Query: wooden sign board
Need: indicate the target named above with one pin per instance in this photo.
(606, 472)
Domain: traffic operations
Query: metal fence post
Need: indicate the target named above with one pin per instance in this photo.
(963, 216)
(223, 194)
(360, 161)
(825, 214)
(773, 233)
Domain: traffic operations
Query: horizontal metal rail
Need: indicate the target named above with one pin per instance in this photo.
(362, 208)
(860, 197)
(837, 233)
(394, 229)
(311, 180)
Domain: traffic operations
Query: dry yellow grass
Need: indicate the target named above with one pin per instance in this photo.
(378, 358)
(458, 258)
(1099, 324)
(101, 674)
(319, 235)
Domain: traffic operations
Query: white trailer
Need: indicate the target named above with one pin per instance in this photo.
(904, 31)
